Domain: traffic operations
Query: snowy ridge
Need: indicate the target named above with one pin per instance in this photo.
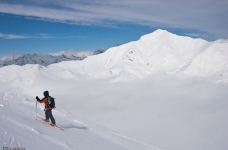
(155, 52)
(19, 128)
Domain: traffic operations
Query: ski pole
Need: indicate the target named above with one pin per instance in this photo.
(36, 108)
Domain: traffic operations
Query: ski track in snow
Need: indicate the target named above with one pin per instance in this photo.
(24, 126)
(144, 145)
(54, 140)
(131, 139)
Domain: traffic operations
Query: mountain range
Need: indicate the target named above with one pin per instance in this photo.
(160, 51)
(45, 60)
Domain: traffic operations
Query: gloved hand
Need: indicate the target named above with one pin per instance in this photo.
(37, 98)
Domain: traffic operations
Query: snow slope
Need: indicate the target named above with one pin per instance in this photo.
(19, 128)
(161, 110)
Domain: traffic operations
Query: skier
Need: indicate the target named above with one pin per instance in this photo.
(48, 108)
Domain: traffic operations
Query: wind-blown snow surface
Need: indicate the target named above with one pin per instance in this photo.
(19, 128)
(175, 96)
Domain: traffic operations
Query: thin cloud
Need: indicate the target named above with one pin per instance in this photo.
(14, 36)
(205, 15)
(38, 36)
(196, 35)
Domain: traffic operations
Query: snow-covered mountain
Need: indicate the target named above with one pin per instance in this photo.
(45, 60)
(159, 51)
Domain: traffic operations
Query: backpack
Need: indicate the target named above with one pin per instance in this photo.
(51, 102)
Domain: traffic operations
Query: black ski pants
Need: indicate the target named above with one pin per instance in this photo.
(48, 115)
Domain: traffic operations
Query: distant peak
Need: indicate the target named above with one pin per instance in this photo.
(160, 31)
(157, 34)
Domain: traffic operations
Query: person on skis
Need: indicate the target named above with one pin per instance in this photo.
(48, 108)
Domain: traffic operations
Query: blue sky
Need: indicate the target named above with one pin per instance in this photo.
(45, 26)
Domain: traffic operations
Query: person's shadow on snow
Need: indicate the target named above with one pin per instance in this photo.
(73, 126)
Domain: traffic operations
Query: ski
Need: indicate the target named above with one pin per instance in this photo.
(48, 123)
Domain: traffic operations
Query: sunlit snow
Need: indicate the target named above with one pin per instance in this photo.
(163, 91)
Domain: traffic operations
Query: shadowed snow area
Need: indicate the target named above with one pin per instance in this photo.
(165, 90)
